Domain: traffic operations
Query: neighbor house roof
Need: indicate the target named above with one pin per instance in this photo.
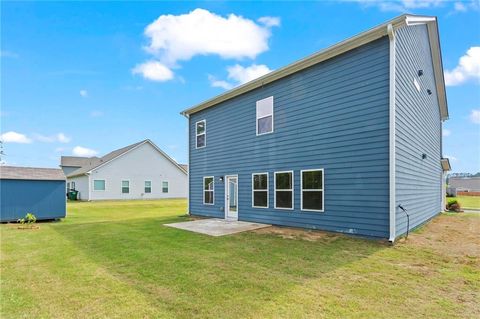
(31, 173)
(117, 153)
(77, 161)
(342, 47)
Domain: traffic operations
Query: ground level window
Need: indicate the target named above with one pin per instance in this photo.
(284, 190)
(148, 187)
(125, 187)
(260, 190)
(164, 187)
(98, 184)
(208, 190)
(312, 190)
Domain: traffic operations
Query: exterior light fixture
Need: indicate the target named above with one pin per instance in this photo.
(420, 72)
(429, 92)
(424, 156)
(221, 178)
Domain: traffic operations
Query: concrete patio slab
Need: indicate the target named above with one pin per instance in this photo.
(217, 227)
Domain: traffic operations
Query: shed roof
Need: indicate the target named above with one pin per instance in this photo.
(342, 47)
(31, 173)
(77, 161)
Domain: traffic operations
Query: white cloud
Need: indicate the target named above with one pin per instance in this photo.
(96, 113)
(14, 137)
(458, 6)
(452, 158)
(83, 151)
(153, 70)
(446, 132)
(174, 38)
(475, 116)
(238, 75)
(60, 137)
(468, 68)
(83, 93)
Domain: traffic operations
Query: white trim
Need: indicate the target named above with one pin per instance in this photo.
(121, 188)
(204, 133)
(168, 187)
(213, 190)
(259, 118)
(315, 190)
(188, 165)
(261, 190)
(227, 190)
(144, 187)
(392, 113)
(99, 190)
(283, 190)
(90, 187)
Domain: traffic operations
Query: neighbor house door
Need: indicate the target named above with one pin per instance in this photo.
(231, 197)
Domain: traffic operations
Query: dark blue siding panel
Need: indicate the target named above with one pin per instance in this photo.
(334, 116)
(418, 130)
(45, 199)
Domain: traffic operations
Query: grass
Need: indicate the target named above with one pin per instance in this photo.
(467, 201)
(116, 259)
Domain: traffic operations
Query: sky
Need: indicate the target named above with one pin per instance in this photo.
(87, 78)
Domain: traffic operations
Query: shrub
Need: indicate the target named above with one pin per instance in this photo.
(453, 205)
(28, 221)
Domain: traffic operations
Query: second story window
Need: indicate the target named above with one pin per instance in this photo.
(201, 134)
(265, 116)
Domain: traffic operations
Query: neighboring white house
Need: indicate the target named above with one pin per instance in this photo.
(137, 171)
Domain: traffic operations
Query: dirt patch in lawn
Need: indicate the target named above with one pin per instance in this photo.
(297, 233)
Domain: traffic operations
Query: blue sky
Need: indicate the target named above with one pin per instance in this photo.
(86, 78)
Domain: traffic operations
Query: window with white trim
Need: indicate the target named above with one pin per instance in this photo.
(98, 184)
(148, 187)
(201, 134)
(164, 187)
(265, 116)
(208, 190)
(73, 185)
(260, 190)
(68, 186)
(284, 190)
(125, 187)
(312, 190)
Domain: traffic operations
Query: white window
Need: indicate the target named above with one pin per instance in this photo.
(265, 116)
(284, 190)
(201, 133)
(148, 187)
(125, 187)
(164, 187)
(68, 186)
(260, 190)
(98, 184)
(312, 190)
(208, 190)
(73, 185)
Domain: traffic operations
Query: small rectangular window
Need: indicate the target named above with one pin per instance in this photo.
(68, 185)
(208, 190)
(284, 190)
(125, 187)
(201, 134)
(164, 187)
(98, 184)
(265, 116)
(148, 187)
(260, 190)
(73, 185)
(312, 190)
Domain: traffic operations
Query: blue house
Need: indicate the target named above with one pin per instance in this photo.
(340, 141)
(40, 191)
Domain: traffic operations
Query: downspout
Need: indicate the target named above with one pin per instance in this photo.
(188, 161)
(392, 179)
(89, 187)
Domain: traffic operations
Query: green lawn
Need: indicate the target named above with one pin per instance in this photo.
(116, 259)
(467, 201)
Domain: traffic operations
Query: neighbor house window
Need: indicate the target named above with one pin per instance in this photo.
(284, 190)
(312, 190)
(125, 187)
(260, 190)
(201, 133)
(98, 184)
(73, 185)
(148, 187)
(164, 187)
(68, 185)
(265, 116)
(208, 190)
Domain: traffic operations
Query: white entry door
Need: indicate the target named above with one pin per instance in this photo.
(231, 197)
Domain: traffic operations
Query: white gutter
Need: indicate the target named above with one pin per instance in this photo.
(392, 200)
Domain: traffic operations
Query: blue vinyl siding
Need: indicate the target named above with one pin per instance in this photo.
(45, 199)
(334, 116)
(418, 130)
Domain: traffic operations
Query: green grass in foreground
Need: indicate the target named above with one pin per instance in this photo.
(467, 201)
(116, 259)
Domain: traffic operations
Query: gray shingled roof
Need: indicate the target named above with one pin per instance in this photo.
(31, 173)
(184, 166)
(77, 161)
